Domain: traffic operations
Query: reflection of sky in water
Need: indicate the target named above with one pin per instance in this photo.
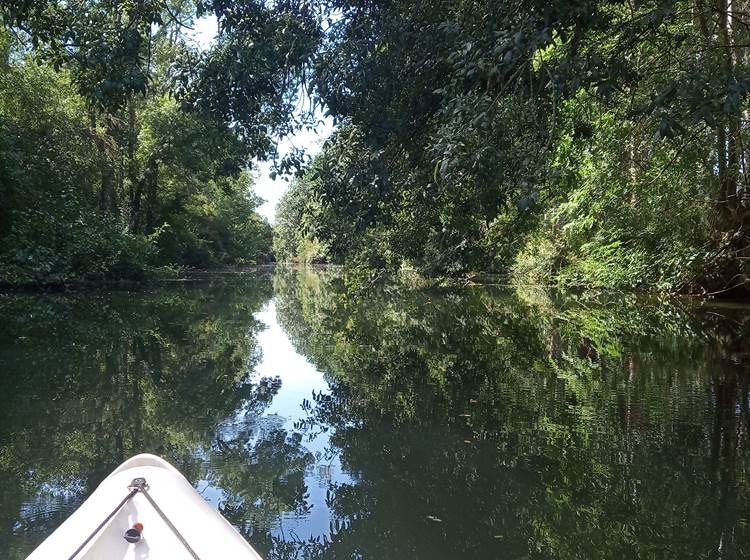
(299, 379)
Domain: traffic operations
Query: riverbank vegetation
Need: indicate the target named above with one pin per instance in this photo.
(103, 175)
(596, 144)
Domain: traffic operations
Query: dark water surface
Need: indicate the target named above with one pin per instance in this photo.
(404, 423)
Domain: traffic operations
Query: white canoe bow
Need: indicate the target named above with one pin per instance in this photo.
(171, 520)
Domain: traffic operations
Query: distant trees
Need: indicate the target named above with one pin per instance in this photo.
(297, 217)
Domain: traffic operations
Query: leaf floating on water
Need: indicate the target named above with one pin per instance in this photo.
(435, 519)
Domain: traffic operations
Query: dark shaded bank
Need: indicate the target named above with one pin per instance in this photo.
(163, 277)
(68, 286)
(359, 280)
(358, 285)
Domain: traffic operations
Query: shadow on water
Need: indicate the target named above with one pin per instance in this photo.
(419, 423)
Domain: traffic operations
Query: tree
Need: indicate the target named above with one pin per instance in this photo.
(129, 178)
(463, 115)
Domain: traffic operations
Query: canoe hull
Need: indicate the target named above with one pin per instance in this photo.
(209, 535)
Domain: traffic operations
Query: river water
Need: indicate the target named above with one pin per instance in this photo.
(396, 423)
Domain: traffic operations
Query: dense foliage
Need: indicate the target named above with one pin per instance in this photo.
(108, 169)
(298, 214)
(594, 143)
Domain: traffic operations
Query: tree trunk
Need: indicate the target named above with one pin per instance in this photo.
(135, 183)
(108, 203)
(107, 199)
(147, 183)
(135, 206)
(731, 212)
(151, 177)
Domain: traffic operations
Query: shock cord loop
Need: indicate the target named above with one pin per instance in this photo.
(136, 486)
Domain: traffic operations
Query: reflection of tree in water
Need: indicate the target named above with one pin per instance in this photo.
(259, 468)
(485, 425)
(476, 424)
(90, 380)
(261, 480)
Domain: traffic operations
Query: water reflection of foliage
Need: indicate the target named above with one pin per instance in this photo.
(475, 423)
(264, 480)
(92, 379)
(483, 424)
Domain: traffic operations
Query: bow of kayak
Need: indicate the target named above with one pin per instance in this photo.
(165, 515)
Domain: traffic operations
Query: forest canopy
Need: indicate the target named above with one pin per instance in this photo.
(581, 144)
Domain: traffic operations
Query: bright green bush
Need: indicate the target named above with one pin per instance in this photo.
(631, 214)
